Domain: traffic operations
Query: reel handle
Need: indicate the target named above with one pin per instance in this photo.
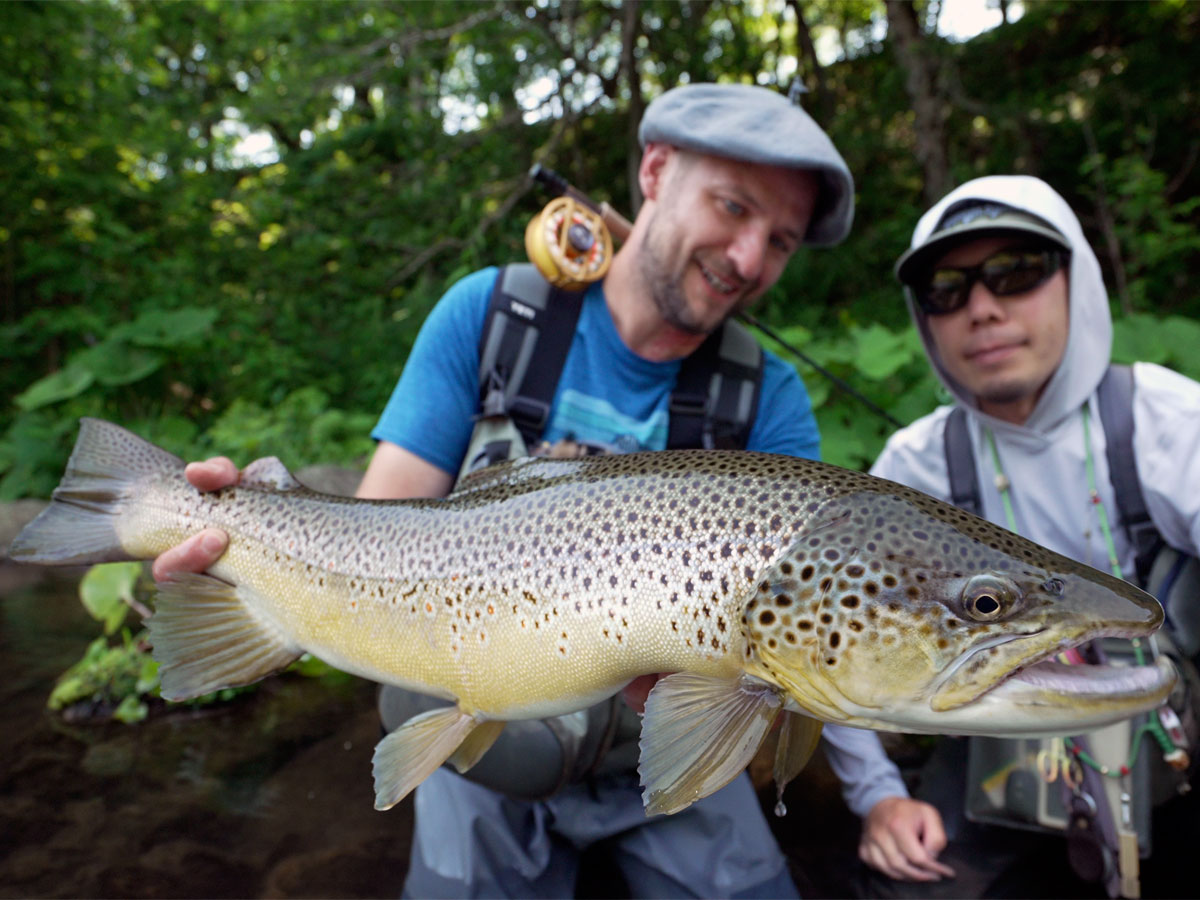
(557, 185)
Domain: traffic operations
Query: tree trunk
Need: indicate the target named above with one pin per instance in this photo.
(631, 22)
(920, 81)
(807, 51)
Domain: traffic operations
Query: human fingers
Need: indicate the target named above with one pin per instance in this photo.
(883, 854)
(903, 837)
(211, 474)
(636, 692)
(195, 554)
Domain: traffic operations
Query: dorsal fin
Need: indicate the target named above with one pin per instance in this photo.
(269, 472)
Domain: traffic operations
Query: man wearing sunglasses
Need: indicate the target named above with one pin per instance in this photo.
(1009, 301)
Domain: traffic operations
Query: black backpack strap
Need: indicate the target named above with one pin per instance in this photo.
(1115, 399)
(526, 336)
(960, 463)
(715, 399)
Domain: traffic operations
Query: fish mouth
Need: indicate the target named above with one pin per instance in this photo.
(1090, 681)
(1041, 680)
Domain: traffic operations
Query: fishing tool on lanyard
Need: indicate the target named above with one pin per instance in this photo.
(571, 239)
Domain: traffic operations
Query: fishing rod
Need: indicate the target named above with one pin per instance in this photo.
(571, 243)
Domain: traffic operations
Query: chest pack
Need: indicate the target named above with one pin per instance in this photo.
(526, 337)
(1107, 823)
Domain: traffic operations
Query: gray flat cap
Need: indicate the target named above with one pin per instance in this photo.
(756, 124)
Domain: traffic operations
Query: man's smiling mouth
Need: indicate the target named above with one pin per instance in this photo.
(716, 281)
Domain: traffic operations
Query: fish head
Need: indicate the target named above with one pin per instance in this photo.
(892, 610)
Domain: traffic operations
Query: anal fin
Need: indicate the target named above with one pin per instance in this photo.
(205, 638)
(412, 752)
(698, 734)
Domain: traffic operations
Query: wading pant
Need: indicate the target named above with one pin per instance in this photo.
(470, 841)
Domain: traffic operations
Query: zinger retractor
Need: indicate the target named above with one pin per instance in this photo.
(569, 243)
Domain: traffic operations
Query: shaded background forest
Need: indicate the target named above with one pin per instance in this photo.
(222, 223)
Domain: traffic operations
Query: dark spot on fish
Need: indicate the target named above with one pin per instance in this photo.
(766, 617)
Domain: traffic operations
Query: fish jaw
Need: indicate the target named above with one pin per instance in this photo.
(1053, 698)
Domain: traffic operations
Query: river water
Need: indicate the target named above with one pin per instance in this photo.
(268, 796)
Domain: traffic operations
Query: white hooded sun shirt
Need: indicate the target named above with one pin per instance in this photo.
(1045, 458)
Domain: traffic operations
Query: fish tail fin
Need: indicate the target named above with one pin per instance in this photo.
(79, 525)
(412, 752)
(206, 638)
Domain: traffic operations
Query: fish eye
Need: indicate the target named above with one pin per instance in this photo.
(986, 598)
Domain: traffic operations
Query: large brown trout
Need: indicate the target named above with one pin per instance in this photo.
(767, 584)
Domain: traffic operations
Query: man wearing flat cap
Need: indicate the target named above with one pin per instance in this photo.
(735, 178)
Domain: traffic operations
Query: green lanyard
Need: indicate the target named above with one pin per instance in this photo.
(1004, 486)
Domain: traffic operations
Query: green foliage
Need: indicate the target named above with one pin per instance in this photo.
(301, 427)
(107, 592)
(157, 270)
(1170, 341)
(110, 677)
(887, 367)
(128, 353)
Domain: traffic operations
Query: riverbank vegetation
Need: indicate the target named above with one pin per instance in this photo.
(223, 222)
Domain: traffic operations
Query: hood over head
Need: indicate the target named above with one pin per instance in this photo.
(1089, 341)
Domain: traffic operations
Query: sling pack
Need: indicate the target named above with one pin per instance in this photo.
(526, 336)
(1100, 848)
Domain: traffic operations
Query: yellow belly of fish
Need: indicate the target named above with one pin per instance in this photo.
(501, 655)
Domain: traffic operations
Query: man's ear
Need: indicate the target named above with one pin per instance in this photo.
(653, 169)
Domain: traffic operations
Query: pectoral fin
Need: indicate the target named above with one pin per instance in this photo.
(411, 753)
(698, 733)
(798, 738)
(206, 638)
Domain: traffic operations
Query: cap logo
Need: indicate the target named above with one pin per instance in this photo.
(972, 213)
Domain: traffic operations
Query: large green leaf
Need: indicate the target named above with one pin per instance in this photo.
(170, 327)
(106, 591)
(115, 362)
(881, 352)
(67, 382)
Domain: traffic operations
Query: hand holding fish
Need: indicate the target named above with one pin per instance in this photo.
(200, 551)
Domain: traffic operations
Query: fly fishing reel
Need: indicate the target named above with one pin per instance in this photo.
(569, 243)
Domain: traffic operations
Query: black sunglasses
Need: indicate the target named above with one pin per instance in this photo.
(1009, 272)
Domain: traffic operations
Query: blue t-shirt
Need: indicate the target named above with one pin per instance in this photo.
(607, 394)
